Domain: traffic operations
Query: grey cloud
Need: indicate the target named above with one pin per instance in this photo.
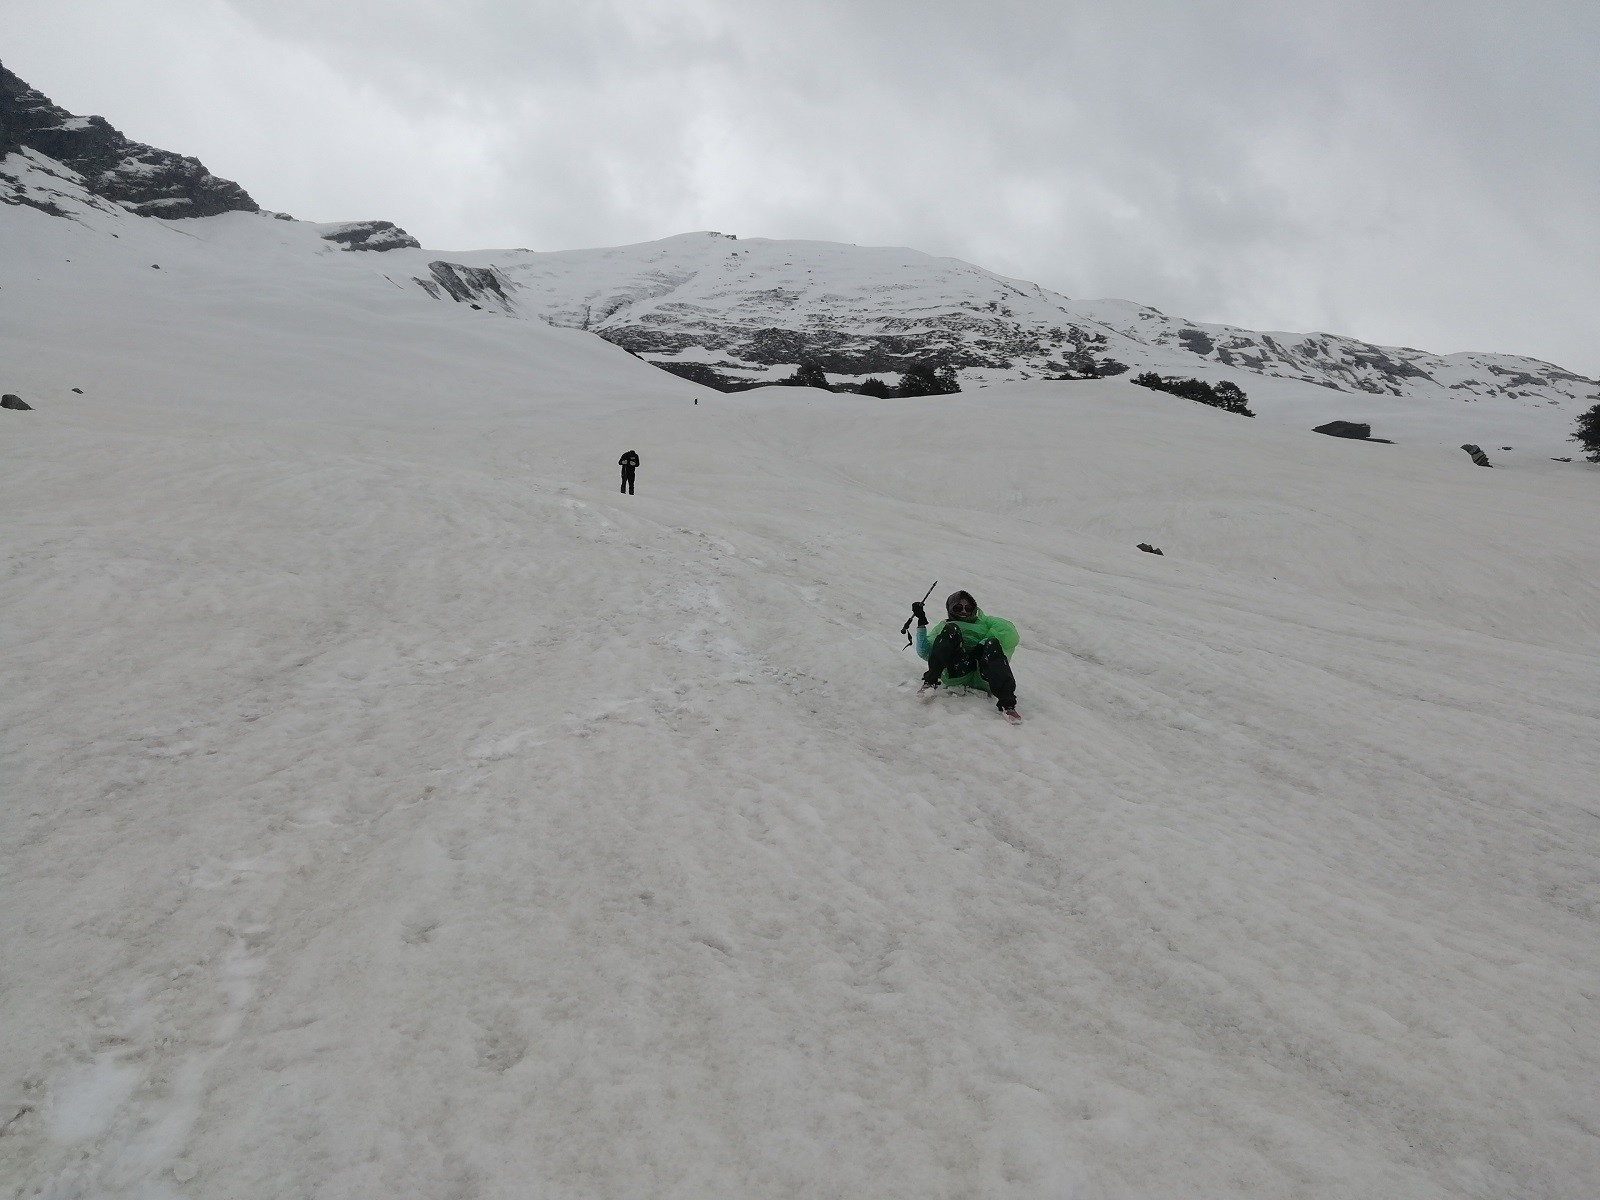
(1405, 172)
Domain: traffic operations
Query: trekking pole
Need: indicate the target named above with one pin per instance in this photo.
(907, 626)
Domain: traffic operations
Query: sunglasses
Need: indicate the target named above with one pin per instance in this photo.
(963, 607)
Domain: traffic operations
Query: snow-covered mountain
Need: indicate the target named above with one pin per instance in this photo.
(730, 312)
(723, 310)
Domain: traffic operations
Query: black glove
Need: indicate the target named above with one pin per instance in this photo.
(920, 613)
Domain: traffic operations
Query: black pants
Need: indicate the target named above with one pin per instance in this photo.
(986, 658)
(627, 481)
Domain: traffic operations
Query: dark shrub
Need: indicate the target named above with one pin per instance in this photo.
(808, 373)
(1227, 396)
(1588, 434)
(925, 379)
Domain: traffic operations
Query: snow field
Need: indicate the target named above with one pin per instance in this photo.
(396, 810)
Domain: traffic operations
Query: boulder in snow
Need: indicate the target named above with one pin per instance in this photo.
(1345, 429)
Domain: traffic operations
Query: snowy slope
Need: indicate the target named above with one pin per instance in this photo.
(393, 809)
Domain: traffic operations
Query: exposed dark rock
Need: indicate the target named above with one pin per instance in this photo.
(1511, 378)
(1149, 549)
(371, 235)
(707, 376)
(1377, 360)
(637, 339)
(1354, 430)
(474, 286)
(141, 178)
(1345, 429)
(78, 390)
(838, 352)
(13, 192)
(17, 402)
(1477, 455)
(774, 346)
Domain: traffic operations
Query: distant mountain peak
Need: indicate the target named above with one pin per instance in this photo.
(732, 314)
(142, 179)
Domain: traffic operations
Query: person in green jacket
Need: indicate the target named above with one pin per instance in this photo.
(968, 649)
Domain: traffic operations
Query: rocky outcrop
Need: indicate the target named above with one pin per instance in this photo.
(140, 178)
(370, 235)
(13, 401)
(477, 286)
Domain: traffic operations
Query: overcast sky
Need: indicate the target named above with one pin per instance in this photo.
(1422, 174)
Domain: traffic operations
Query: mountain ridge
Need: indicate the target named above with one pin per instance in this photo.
(143, 179)
(732, 314)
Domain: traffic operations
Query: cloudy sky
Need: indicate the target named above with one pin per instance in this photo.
(1411, 173)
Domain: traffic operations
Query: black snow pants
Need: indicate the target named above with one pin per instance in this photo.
(986, 658)
(627, 480)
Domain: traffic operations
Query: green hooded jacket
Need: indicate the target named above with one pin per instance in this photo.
(972, 632)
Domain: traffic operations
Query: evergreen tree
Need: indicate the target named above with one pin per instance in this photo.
(811, 374)
(1231, 398)
(925, 379)
(807, 373)
(876, 387)
(918, 381)
(1588, 434)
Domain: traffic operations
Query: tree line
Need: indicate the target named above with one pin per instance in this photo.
(1227, 396)
(921, 379)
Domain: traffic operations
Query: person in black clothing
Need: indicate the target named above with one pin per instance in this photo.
(629, 462)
